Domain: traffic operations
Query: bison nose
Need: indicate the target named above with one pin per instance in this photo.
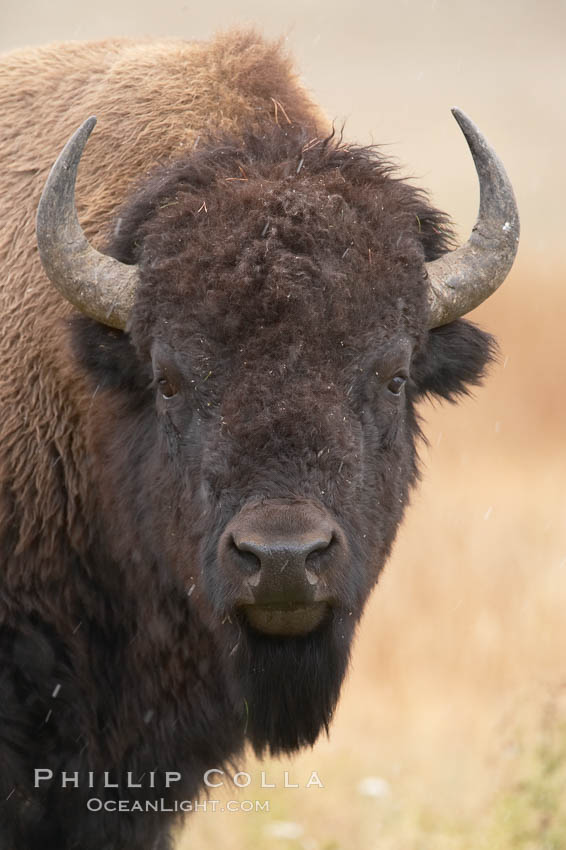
(276, 552)
(289, 555)
(281, 560)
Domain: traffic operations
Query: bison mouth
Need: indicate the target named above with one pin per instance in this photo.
(286, 619)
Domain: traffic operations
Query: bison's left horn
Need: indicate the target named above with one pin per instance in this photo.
(462, 279)
(96, 284)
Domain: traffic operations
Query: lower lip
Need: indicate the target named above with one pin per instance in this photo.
(286, 621)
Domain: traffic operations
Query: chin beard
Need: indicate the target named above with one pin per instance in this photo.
(291, 684)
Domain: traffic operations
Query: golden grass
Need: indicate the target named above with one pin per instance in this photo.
(454, 697)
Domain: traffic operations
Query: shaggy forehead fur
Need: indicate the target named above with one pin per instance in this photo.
(279, 242)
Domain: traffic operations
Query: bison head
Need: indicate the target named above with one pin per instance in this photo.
(282, 305)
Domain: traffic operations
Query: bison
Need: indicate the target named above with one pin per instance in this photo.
(209, 424)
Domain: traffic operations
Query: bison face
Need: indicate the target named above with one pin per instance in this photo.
(254, 428)
(292, 446)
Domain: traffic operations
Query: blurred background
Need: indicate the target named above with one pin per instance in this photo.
(451, 729)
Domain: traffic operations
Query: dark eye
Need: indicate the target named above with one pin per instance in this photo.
(166, 388)
(396, 384)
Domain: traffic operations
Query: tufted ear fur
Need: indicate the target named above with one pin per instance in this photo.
(455, 358)
(107, 355)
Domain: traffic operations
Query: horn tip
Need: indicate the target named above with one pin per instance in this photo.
(462, 119)
(471, 131)
(89, 124)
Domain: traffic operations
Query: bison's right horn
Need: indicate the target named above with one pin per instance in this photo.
(98, 285)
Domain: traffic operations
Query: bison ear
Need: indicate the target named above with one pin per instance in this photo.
(107, 355)
(455, 357)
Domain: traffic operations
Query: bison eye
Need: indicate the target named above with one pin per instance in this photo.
(396, 384)
(166, 388)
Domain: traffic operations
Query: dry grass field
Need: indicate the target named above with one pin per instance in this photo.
(455, 706)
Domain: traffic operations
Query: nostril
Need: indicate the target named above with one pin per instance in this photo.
(244, 556)
(317, 559)
(317, 548)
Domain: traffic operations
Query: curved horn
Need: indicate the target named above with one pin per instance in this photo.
(96, 284)
(462, 279)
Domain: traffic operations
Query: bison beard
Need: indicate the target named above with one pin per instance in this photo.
(291, 685)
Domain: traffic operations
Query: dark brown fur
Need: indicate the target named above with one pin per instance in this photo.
(282, 289)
